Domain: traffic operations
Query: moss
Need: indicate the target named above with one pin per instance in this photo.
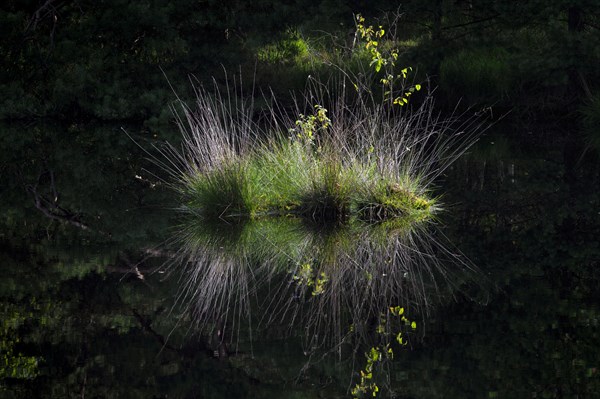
(395, 201)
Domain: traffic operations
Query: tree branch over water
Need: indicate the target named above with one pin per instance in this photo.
(478, 21)
(146, 325)
(50, 207)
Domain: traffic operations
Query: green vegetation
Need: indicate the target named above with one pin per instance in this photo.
(479, 75)
(290, 177)
(291, 48)
(391, 324)
(367, 159)
(58, 66)
(13, 363)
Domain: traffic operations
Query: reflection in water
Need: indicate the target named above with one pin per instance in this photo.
(334, 282)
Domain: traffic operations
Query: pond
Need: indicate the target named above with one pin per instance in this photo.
(107, 292)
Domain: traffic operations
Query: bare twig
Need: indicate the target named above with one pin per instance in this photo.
(51, 208)
(147, 326)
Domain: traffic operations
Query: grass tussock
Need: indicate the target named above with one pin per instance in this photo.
(357, 159)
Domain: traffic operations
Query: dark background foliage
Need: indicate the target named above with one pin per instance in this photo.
(105, 59)
(83, 212)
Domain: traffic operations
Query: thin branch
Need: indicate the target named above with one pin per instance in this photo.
(147, 326)
(471, 22)
(37, 15)
(52, 209)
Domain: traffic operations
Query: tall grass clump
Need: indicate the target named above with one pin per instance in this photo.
(355, 159)
(343, 150)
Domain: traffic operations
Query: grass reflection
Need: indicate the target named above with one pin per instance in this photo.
(332, 281)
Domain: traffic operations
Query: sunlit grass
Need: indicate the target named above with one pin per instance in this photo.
(291, 48)
(367, 161)
(287, 177)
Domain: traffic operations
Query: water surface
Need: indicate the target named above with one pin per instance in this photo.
(93, 306)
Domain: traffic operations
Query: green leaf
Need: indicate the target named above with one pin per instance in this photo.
(397, 311)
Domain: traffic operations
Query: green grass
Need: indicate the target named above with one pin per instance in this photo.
(290, 48)
(288, 177)
(362, 158)
(478, 74)
(221, 193)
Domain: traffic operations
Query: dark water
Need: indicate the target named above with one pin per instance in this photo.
(92, 306)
